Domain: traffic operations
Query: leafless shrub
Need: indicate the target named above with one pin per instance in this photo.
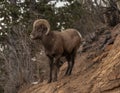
(17, 55)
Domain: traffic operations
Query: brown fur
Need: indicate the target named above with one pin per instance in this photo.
(58, 44)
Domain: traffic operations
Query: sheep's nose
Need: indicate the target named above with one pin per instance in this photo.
(31, 36)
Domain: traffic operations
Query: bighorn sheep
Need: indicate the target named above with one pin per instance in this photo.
(57, 44)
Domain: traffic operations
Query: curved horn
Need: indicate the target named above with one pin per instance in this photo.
(44, 22)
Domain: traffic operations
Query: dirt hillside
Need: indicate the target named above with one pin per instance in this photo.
(97, 68)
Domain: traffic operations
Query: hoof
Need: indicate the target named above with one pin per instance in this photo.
(67, 74)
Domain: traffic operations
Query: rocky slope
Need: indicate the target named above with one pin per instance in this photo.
(97, 68)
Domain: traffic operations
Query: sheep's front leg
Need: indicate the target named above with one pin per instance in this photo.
(56, 68)
(51, 69)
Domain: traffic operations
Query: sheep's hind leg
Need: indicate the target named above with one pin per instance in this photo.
(72, 62)
(71, 65)
(68, 61)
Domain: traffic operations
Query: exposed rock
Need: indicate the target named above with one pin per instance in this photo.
(97, 69)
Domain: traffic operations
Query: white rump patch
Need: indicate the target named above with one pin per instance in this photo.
(79, 34)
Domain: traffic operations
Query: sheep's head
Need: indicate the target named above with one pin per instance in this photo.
(40, 27)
